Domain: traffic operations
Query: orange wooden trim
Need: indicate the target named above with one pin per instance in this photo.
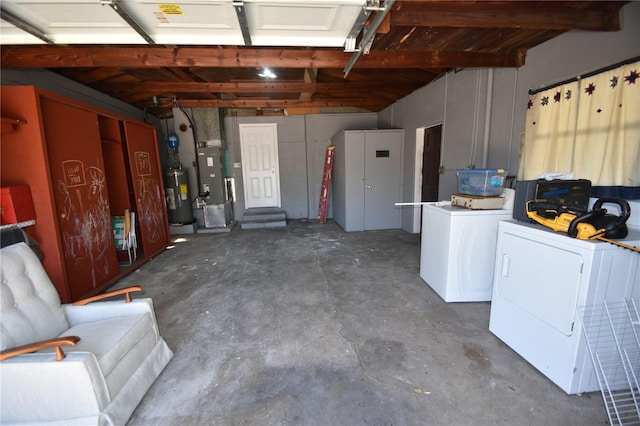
(43, 344)
(126, 291)
(9, 124)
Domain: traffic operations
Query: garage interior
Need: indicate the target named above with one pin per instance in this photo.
(308, 324)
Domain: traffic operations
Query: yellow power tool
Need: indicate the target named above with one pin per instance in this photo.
(562, 219)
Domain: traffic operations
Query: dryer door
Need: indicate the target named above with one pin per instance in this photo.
(545, 283)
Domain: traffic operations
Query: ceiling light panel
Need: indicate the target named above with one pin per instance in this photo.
(74, 21)
(301, 22)
(195, 22)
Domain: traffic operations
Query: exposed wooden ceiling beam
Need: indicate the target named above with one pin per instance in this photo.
(180, 73)
(122, 89)
(310, 76)
(153, 57)
(280, 103)
(535, 15)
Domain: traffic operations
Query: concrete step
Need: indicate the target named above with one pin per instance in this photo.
(263, 214)
(263, 218)
(267, 223)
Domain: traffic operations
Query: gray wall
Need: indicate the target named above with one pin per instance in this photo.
(463, 104)
(302, 143)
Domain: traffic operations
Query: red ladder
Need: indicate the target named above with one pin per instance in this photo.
(326, 184)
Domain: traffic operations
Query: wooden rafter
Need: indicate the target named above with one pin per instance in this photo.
(280, 103)
(153, 57)
(536, 15)
(310, 75)
(270, 87)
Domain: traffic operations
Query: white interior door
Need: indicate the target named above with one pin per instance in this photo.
(260, 168)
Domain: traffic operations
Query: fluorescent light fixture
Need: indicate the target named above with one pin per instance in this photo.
(267, 73)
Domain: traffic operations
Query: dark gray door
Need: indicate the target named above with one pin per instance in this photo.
(383, 150)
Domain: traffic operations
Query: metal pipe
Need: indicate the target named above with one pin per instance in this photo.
(242, 20)
(130, 20)
(487, 119)
(367, 37)
(24, 25)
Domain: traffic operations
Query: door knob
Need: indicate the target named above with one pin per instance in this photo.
(367, 186)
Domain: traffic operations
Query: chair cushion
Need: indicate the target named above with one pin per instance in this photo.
(29, 303)
(119, 345)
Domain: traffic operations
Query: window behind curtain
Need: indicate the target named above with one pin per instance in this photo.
(590, 127)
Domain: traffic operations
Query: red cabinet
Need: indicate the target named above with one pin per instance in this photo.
(81, 195)
(145, 169)
(77, 161)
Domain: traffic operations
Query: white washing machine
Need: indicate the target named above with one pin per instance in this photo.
(458, 251)
(542, 279)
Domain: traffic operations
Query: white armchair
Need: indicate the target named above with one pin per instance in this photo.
(114, 351)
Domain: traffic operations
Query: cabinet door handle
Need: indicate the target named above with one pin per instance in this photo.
(505, 266)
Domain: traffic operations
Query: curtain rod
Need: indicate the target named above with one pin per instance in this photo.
(585, 75)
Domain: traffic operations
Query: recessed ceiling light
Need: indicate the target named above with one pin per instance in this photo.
(267, 73)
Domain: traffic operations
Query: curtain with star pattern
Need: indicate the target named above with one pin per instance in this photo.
(589, 127)
(550, 131)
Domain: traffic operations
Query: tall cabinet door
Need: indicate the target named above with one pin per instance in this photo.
(350, 175)
(81, 196)
(367, 179)
(382, 170)
(142, 150)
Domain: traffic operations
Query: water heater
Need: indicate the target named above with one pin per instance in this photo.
(178, 199)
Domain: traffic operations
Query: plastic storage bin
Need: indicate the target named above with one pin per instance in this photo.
(117, 223)
(481, 182)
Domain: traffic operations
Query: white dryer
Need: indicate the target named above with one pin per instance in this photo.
(541, 280)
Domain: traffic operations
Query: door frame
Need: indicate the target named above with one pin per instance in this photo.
(417, 172)
(431, 176)
(273, 128)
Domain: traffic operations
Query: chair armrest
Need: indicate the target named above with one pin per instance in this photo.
(105, 309)
(126, 291)
(43, 344)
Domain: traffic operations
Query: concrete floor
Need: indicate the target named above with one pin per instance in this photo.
(310, 325)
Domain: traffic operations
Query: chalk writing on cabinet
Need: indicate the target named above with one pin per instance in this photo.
(143, 164)
(150, 209)
(85, 220)
(73, 173)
